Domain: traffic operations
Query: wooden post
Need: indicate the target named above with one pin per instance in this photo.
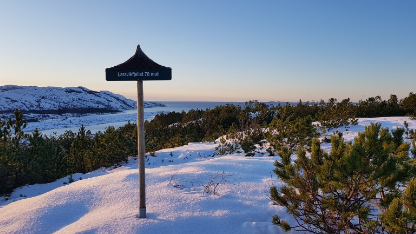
(137, 69)
(141, 150)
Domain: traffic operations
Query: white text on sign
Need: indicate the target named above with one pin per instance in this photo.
(139, 74)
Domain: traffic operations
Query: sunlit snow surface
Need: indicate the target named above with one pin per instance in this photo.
(106, 200)
(94, 122)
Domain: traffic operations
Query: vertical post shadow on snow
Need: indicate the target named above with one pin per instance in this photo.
(58, 217)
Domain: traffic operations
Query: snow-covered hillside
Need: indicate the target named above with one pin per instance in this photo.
(106, 200)
(63, 100)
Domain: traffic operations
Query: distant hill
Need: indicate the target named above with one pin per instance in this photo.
(57, 100)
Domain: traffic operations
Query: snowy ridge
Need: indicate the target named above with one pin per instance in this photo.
(59, 100)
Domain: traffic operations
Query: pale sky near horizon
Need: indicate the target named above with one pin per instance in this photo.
(267, 50)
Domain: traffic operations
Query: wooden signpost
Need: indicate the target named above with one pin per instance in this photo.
(139, 68)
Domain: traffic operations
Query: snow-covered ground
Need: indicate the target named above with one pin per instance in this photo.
(92, 122)
(106, 200)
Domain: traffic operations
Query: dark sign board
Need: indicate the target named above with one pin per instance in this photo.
(138, 67)
(126, 75)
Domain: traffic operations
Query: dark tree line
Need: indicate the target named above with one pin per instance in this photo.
(28, 158)
(176, 129)
(36, 158)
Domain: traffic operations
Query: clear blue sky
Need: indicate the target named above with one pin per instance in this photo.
(271, 50)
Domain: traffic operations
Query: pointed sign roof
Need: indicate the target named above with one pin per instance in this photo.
(138, 67)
